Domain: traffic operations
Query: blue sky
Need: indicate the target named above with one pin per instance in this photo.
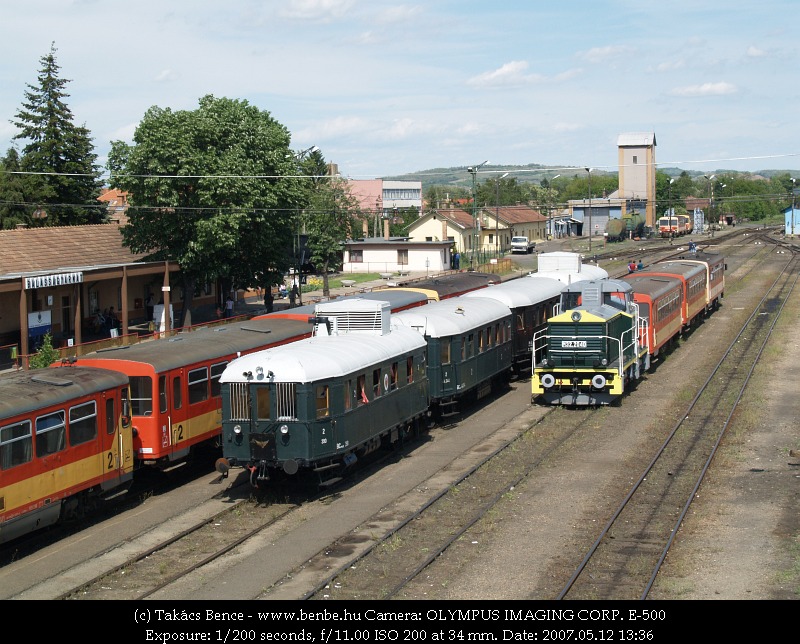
(388, 87)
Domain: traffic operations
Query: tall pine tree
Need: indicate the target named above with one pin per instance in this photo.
(61, 150)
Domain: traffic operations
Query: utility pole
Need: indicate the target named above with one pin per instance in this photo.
(473, 170)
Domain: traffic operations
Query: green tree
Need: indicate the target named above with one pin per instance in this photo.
(46, 355)
(58, 149)
(17, 191)
(504, 192)
(332, 218)
(216, 189)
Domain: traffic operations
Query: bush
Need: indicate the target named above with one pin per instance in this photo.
(46, 355)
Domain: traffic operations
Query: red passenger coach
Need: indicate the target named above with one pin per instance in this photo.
(659, 300)
(715, 284)
(694, 276)
(65, 442)
(175, 390)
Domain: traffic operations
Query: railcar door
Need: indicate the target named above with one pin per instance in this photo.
(116, 435)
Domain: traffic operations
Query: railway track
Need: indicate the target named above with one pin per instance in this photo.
(467, 501)
(624, 560)
(444, 520)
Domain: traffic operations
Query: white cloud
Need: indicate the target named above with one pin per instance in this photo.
(706, 89)
(755, 52)
(166, 75)
(317, 10)
(508, 74)
(603, 54)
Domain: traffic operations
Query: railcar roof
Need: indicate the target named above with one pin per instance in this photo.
(323, 357)
(521, 292)
(203, 344)
(26, 391)
(453, 316)
(653, 285)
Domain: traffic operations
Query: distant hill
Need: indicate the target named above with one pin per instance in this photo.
(535, 173)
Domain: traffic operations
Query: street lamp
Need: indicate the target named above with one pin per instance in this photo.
(589, 174)
(473, 170)
(299, 156)
(710, 200)
(497, 217)
(669, 211)
(793, 201)
(550, 207)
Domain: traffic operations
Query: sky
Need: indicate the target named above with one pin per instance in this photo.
(385, 88)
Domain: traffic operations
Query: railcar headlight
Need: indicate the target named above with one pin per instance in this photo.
(284, 429)
(604, 362)
(576, 316)
(237, 429)
(544, 362)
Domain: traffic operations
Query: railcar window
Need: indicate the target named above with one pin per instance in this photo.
(498, 334)
(410, 369)
(393, 377)
(361, 387)
(323, 408)
(444, 348)
(520, 322)
(51, 433)
(463, 349)
(349, 394)
(141, 395)
(471, 345)
(376, 383)
(480, 341)
(82, 423)
(198, 385)
(263, 402)
(177, 393)
(111, 421)
(162, 394)
(216, 372)
(16, 444)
